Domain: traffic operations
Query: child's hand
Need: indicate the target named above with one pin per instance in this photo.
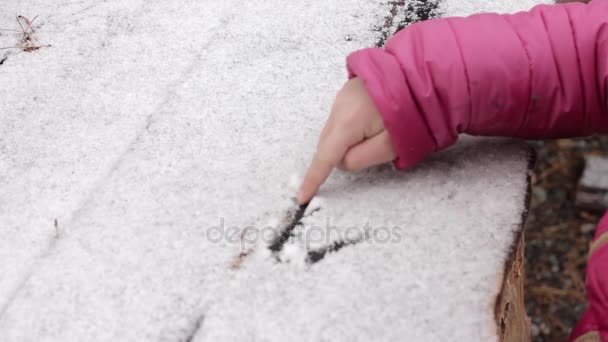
(353, 139)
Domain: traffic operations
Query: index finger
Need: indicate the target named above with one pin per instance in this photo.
(329, 153)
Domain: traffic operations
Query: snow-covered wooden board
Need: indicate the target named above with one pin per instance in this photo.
(430, 269)
(146, 124)
(69, 113)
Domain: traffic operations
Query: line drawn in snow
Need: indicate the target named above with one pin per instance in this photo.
(27, 42)
(290, 220)
(197, 327)
(278, 250)
(316, 255)
(56, 224)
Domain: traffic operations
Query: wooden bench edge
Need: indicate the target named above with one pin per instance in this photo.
(512, 323)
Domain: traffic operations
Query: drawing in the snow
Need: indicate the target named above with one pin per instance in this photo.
(149, 155)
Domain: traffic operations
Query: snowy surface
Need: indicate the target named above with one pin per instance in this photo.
(442, 234)
(147, 123)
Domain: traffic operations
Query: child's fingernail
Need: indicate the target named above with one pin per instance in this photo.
(300, 196)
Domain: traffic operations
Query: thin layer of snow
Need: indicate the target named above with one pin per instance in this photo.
(70, 112)
(158, 124)
(439, 239)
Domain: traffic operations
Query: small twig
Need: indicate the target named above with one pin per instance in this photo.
(552, 291)
(238, 260)
(56, 229)
(26, 42)
(29, 25)
(197, 327)
(19, 22)
(34, 47)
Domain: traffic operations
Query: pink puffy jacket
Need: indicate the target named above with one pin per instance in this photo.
(536, 74)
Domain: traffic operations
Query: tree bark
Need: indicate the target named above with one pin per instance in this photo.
(510, 311)
(513, 323)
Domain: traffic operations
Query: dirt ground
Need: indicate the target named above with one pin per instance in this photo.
(557, 237)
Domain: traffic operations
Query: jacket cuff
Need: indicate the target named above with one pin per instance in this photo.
(388, 88)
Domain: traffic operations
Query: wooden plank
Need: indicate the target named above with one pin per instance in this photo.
(512, 322)
(138, 261)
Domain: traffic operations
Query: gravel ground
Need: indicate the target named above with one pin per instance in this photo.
(557, 237)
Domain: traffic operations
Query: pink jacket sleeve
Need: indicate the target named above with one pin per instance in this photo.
(536, 74)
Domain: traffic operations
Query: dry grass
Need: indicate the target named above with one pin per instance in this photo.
(27, 41)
